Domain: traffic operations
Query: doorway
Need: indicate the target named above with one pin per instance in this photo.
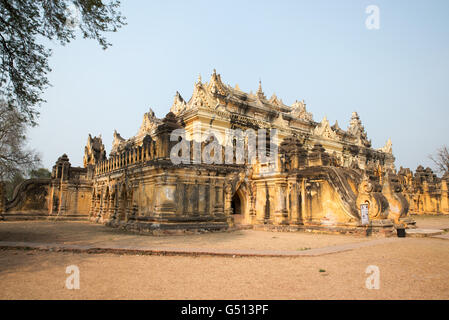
(237, 210)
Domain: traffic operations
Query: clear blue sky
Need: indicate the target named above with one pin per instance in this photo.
(396, 77)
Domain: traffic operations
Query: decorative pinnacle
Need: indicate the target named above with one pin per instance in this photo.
(260, 93)
(199, 78)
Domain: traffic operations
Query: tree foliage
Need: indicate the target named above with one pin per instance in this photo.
(14, 157)
(441, 159)
(17, 178)
(24, 60)
(11, 184)
(40, 173)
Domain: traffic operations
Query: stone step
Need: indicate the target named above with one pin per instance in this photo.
(37, 216)
(419, 233)
(444, 236)
(23, 217)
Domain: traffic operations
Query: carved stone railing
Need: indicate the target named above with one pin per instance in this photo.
(31, 190)
(124, 159)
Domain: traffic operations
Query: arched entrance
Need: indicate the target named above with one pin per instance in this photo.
(237, 206)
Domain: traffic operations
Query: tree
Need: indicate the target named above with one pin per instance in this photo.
(12, 183)
(14, 158)
(17, 178)
(441, 159)
(40, 173)
(24, 61)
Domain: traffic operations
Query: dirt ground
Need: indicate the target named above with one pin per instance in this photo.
(411, 268)
(84, 233)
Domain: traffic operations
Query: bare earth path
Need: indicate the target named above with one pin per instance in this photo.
(410, 268)
(85, 233)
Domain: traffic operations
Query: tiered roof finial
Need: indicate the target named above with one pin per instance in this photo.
(216, 86)
(336, 126)
(356, 129)
(260, 93)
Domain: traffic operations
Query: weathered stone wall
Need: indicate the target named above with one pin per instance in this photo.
(425, 192)
(66, 195)
(139, 188)
(321, 176)
(324, 197)
(153, 196)
(70, 191)
(30, 196)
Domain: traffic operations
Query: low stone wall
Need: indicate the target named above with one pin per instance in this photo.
(65, 196)
(30, 198)
(425, 192)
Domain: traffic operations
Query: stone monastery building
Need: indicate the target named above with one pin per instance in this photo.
(236, 159)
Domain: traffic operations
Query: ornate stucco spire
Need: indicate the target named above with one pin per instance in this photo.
(356, 129)
(299, 111)
(387, 148)
(275, 100)
(324, 130)
(94, 151)
(116, 142)
(149, 123)
(355, 124)
(336, 126)
(199, 79)
(178, 104)
(260, 93)
(204, 94)
(216, 86)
